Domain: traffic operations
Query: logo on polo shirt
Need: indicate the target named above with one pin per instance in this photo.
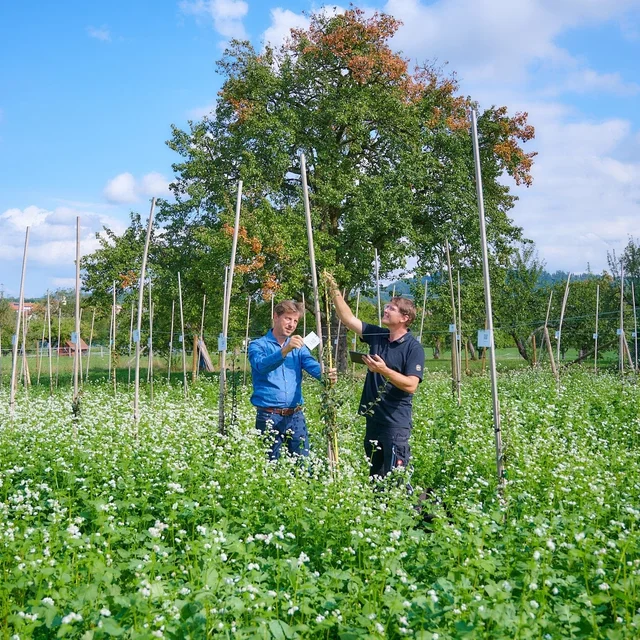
(418, 367)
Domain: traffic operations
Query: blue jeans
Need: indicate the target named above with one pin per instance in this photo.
(290, 430)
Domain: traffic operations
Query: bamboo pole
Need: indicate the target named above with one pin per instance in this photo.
(173, 308)
(335, 357)
(76, 360)
(110, 344)
(459, 337)
(130, 343)
(487, 296)
(38, 353)
(246, 341)
(304, 316)
(182, 338)
(635, 326)
(93, 319)
(562, 310)
(143, 268)
(595, 335)
(151, 312)
(12, 393)
(355, 335)
(535, 355)
(547, 339)
(58, 349)
(312, 259)
(25, 362)
(377, 271)
(424, 308)
(204, 302)
(194, 359)
(113, 347)
(455, 381)
(621, 330)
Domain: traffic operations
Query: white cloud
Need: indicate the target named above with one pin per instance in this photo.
(102, 33)
(63, 283)
(282, 21)
(126, 189)
(52, 238)
(227, 15)
(587, 80)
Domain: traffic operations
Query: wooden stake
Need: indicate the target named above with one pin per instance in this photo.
(143, 268)
(151, 311)
(58, 349)
(455, 382)
(564, 306)
(182, 338)
(335, 357)
(377, 270)
(547, 339)
(38, 353)
(355, 335)
(304, 316)
(113, 346)
(49, 339)
(487, 297)
(246, 341)
(93, 319)
(635, 326)
(173, 308)
(621, 341)
(595, 335)
(459, 337)
(312, 259)
(194, 360)
(534, 361)
(12, 393)
(424, 308)
(76, 360)
(130, 343)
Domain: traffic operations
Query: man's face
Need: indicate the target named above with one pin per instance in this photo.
(392, 316)
(285, 324)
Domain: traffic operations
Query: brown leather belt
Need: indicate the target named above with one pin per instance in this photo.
(281, 412)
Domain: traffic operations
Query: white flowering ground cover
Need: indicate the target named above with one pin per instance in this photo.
(184, 533)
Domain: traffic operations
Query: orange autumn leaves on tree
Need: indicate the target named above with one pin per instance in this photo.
(513, 130)
(269, 283)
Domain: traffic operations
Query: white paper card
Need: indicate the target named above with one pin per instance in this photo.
(452, 328)
(311, 341)
(557, 335)
(633, 334)
(484, 338)
(595, 336)
(222, 342)
(136, 335)
(74, 337)
(618, 332)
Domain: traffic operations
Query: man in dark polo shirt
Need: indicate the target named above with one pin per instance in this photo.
(395, 363)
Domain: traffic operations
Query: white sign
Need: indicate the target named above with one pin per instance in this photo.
(180, 338)
(222, 342)
(14, 338)
(595, 336)
(618, 332)
(452, 328)
(633, 334)
(557, 335)
(484, 338)
(311, 341)
(74, 337)
(136, 335)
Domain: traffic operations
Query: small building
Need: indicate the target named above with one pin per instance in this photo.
(27, 308)
(70, 347)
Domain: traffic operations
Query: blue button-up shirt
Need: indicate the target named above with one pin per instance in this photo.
(277, 381)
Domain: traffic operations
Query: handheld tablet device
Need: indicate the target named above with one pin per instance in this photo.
(356, 356)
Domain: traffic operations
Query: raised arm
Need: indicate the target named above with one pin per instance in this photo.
(342, 308)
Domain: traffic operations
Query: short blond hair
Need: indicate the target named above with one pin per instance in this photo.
(406, 308)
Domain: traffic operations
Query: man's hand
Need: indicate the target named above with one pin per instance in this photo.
(332, 375)
(376, 364)
(295, 342)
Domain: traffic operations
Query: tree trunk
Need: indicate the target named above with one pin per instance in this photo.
(522, 347)
(472, 350)
(436, 349)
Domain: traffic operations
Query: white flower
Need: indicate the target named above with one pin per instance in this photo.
(603, 586)
(579, 536)
(48, 601)
(533, 604)
(105, 612)
(71, 618)
(536, 555)
(551, 545)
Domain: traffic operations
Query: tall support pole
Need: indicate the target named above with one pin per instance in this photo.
(455, 381)
(227, 307)
(49, 340)
(130, 343)
(173, 310)
(562, 310)
(547, 339)
(635, 327)
(198, 338)
(204, 304)
(143, 268)
(93, 319)
(110, 345)
(312, 259)
(304, 316)
(246, 342)
(355, 335)
(459, 337)
(19, 319)
(182, 338)
(424, 309)
(335, 357)
(58, 348)
(376, 261)
(621, 330)
(76, 360)
(150, 342)
(39, 351)
(113, 347)
(487, 297)
(595, 335)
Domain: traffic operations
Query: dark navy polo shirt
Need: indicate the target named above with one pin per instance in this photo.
(405, 356)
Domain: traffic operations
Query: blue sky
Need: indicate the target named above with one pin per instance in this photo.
(88, 92)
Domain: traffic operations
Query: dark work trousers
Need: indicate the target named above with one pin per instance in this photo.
(386, 448)
(288, 430)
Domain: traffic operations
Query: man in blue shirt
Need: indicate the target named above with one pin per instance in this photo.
(395, 363)
(277, 362)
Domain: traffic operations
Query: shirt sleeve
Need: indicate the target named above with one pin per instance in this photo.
(309, 363)
(370, 333)
(262, 362)
(415, 361)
